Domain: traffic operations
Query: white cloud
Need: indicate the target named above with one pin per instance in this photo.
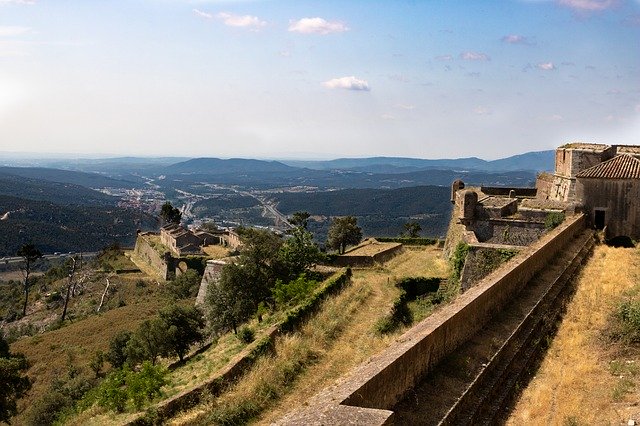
(317, 26)
(388, 117)
(588, 5)
(482, 110)
(203, 14)
(443, 58)
(241, 21)
(405, 107)
(10, 31)
(30, 2)
(348, 83)
(556, 117)
(546, 66)
(515, 39)
(474, 56)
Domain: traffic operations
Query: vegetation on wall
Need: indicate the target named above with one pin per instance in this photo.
(457, 260)
(553, 219)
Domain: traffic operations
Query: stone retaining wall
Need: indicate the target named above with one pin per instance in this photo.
(365, 261)
(369, 391)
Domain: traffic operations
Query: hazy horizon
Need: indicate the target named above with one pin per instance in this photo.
(301, 80)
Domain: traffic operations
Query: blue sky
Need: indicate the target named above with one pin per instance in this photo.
(321, 79)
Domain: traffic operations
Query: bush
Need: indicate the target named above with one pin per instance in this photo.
(418, 286)
(117, 354)
(458, 258)
(628, 321)
(46, 409)
(124, 386)
(186, 285)
(553, 219)
(246, 334)
(294, 291)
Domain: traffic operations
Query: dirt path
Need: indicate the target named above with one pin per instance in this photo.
(360, 341)
(339, 337)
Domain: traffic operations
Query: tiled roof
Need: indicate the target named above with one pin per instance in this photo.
(622, 166)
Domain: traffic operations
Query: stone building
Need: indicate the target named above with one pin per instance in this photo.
(609, 193)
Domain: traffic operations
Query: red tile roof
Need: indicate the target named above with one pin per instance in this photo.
(622, 166)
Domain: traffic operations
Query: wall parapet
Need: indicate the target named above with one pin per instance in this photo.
(381, 381)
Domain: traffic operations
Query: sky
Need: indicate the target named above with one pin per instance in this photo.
(317, 79)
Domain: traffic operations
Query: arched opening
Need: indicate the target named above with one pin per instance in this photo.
(621, 241)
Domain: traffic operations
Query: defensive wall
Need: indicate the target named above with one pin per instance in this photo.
(366, 395)
(145, 251)
(354, 259)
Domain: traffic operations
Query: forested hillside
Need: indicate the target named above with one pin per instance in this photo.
(53, 227)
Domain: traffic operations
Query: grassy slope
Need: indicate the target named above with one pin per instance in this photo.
(51, 353)
(584, 378)
(337, 339)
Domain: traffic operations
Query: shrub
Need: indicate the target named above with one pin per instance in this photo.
(124, 386)
(186, 285)
(117, 354)
(294, 291)
(457, 260)
(553, 219)
(418, 286)
(246, 334)
(628, 321)
(46, 409)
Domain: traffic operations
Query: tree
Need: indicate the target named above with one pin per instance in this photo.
(117, 354)
(299, 252)
(29, 254)
(300, 219)
(412, 229)
(12, 382)
(231, 300)
(344, 231)
(72, 271)
(147, 343)
(186, 285)
(184, 327)
(170, 214)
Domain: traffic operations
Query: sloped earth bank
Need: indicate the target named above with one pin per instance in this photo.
(585, 378)
(340, 337)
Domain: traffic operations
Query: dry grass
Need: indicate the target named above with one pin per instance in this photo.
(216, 252)
(369, 248)
(49, 353)
(583, 378)
(340, 337)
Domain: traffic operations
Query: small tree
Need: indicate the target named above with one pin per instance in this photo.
(186, 285)
(29, 254)
(170, 214)
(344, 231)
(231, 301)
(412, 229)
(70, 285)
(12, 381)
(117, 354)
(300, 219)
(148, 342)
(299, 252)
(184, 327)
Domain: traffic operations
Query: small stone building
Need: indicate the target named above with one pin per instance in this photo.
(610, 195)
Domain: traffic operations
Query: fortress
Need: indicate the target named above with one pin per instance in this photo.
(593, 187)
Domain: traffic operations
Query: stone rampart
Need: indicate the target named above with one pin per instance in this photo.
(148, 254)
(381, 381)
(355, 260)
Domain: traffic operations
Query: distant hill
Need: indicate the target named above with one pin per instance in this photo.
(216, 166)
(89, 180)
(55, 192)
(533, 161)
(380, 212)
(53, 227)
